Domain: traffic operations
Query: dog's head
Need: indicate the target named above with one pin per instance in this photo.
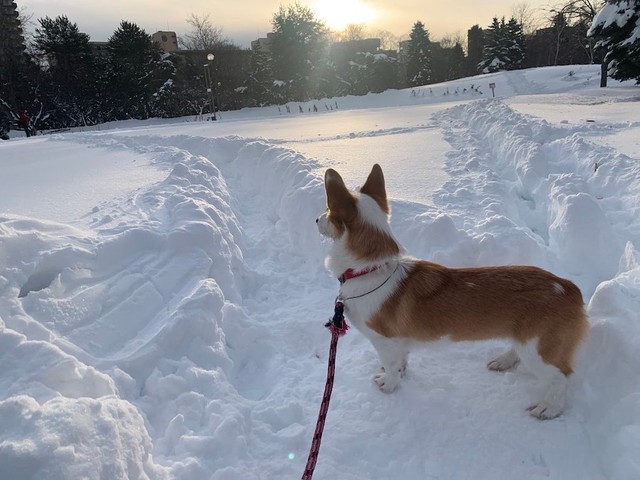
(358, 220)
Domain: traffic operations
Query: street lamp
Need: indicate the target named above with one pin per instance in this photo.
(208, 80)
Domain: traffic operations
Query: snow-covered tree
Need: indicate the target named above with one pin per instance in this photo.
(371, 72)
(298, 50)
(259, 84)
(617, 27)
(503, 46)
(418, 56)
(496, 50)
(165, 101)
(514, 39)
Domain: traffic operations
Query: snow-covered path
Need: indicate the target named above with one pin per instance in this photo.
(174, 329)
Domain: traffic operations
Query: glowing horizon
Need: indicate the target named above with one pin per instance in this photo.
(337, 14)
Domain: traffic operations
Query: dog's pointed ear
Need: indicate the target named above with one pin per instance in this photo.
(375, 188)
(340, 201)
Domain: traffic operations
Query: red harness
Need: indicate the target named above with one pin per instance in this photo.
(351, 273)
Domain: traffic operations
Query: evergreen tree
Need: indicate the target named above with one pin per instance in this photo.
(514, 39)
(259, 85)
(188, 95)
(418, 56)
(504, 46)
(382, 72)
(70, 76)
(297, 50)
(446, 62)
(617, 27)
(495, 55)
(456, 62)
(475, 49)
(165, 99)
(371, 72)
(328, 81)
(135, 72)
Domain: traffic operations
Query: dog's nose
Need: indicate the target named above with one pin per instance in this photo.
(317, 220)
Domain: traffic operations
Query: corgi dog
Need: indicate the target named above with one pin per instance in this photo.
(399, 302)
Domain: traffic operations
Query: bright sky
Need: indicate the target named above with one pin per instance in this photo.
(247, 20)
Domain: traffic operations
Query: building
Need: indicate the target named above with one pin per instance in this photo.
(263, 45)
(99, 49)
(168, 41)
(11, 39)
(12, 49)
(349, 48)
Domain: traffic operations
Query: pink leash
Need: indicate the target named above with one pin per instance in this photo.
(338, 327)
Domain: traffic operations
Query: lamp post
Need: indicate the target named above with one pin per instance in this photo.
(208, 80)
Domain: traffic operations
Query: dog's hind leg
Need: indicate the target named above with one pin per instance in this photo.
(537, 357)
(553, 402)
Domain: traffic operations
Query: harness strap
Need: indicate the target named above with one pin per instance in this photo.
(351, 273)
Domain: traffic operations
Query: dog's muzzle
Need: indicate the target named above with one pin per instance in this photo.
(323, 225)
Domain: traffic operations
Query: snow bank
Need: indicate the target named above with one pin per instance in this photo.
(610, 383)
(572, 206)
(74, 438)
(573, 198)
(153, 297)
(63, 419)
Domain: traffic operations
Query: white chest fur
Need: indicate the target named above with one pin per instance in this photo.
(364, 296)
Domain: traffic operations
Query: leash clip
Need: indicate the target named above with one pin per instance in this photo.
(338, 324)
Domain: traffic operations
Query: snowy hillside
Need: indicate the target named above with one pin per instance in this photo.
(163, 294)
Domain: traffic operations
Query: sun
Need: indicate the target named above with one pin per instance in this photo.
(337, 14)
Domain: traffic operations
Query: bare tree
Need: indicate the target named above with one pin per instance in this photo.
(581, 10)
(26, 19)
(576, 12)
(354, 31)
(388, 41)
(27, 24)
(203, 36)
(584, 11)
(451, 39)
(530, 18)
(359, 31)
(558, 27)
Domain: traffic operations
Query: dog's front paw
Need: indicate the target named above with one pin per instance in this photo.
(403, 368)
(545, 410)
(506, 361)
(387, 383)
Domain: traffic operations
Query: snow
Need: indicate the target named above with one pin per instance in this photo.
(163, 295)
(618, 13)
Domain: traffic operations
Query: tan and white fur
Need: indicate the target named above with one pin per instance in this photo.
(403, 302)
